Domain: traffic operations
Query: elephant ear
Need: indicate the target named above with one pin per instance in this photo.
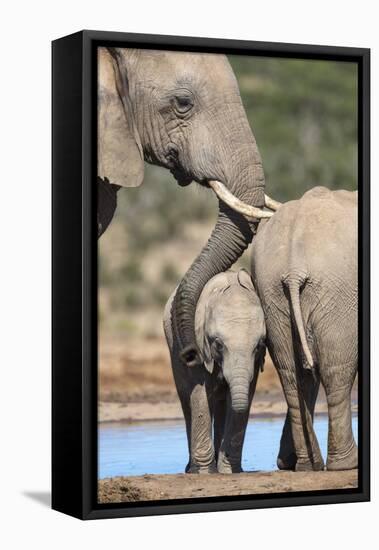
(120, 156)
(261, 356)
(207, 356)
(245, 280)
(201, 333)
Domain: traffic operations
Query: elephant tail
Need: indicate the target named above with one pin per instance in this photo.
(293, 283)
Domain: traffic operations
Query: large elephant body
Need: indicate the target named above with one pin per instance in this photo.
(304, 267)
(230, 334)
(182, 111)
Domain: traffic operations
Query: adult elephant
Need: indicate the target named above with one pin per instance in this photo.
(182, 111)
(305, 270)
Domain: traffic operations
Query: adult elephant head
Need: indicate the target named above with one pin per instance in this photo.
(183, 111)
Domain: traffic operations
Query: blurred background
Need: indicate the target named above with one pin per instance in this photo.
(304, 117)
(303, 114)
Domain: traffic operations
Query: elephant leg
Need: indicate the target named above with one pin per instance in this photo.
(197, 410)
(187, 417)
(300, 411)
(202, 455)
(287, 454)
(182, 388)
(219, 423)
(230, 455)
(342, 449)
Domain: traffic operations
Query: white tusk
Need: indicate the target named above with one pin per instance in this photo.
(272, 204)
(225, 195)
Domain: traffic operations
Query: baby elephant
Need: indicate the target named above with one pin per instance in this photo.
(230, 334)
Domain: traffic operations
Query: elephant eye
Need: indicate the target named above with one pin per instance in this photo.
(183, 103)
(217, 347)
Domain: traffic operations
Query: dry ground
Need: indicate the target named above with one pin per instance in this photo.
(162, 487)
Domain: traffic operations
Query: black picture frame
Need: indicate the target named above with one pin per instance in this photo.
(74, 272)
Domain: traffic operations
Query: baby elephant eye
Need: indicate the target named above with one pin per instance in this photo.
(183, 103)
(217, 345)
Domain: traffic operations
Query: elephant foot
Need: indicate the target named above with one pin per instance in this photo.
(308, 466)
(227, 465)
(197, 469)
(347, 462)
(287, 463)
(226, 468)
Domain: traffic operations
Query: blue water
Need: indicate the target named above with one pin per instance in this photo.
(161, 447)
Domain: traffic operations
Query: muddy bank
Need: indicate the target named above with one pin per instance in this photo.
(136, 384)
(145, 411)
(162, 487)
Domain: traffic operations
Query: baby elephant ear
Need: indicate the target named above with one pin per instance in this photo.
(120, 158)
(261, 356)
(244, 279)
(201, 335)
(207, 356)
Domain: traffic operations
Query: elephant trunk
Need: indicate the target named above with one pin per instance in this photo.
(239, 389)
(231, 236)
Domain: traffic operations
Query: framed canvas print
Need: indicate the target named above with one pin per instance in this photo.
(210, 275)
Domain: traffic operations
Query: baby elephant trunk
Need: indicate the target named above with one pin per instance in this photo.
(239, 389)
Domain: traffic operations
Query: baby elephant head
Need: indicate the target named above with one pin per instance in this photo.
(233, 333)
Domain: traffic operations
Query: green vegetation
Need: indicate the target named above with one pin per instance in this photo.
(304, 117)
